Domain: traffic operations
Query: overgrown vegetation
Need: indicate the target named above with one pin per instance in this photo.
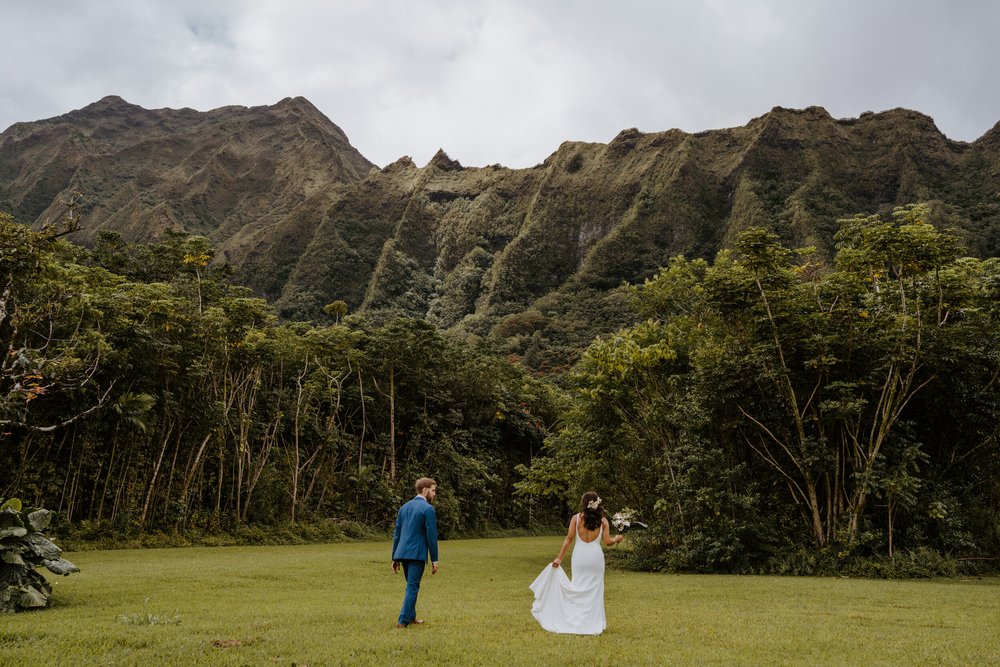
(142, 392)
(773, 411)
(23, 548)
(777, 413)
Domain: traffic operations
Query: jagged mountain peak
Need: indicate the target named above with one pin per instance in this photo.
(404, 163)
(899, 116)
(298, 101)
(300, 106)
(107, 106)
(108, 102)
(444, 163)
(808, 113)
(903, 120)
(629, 134)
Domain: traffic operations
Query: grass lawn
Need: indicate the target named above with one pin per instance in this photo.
(337, 604)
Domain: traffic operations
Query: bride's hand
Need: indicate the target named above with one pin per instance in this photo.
(556, 562)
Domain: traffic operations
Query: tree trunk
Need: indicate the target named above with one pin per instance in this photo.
(266, 445)
(190, 477)
(156, 472)
(814, 506)
(170, 478)
(222, 471)
(107, 478)
(121, 487)
(889, 517)
(392, 425)
(296, 451)
(364, 423)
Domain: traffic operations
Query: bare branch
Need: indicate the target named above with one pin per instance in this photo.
(772, 436)
(67, 422)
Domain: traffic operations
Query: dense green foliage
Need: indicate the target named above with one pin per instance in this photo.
(777, 413)
(773, 411)
(142, 391)
(23, 547)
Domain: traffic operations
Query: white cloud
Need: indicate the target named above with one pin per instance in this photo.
(507, 81)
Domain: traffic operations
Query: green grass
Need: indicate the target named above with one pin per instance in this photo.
(337, 604)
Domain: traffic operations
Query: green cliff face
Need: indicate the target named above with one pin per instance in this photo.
(527, 254)
(543, 250)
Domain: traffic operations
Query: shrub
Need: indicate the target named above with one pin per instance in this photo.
(22, 549)
(919, 563)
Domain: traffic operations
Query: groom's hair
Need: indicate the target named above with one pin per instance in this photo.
(424, 483)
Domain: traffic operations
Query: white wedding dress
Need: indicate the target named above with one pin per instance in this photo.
(577, 606)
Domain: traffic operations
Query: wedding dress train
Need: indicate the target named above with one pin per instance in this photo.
(577, 606)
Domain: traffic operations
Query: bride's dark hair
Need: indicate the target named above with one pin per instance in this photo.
(592, 509)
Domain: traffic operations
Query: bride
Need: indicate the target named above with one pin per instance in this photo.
(577, 606)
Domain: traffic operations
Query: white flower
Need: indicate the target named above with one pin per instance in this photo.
(623, 519)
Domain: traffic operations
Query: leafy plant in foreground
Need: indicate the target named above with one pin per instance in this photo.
(22, 549)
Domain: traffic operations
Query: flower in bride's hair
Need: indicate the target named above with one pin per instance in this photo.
(594, 504)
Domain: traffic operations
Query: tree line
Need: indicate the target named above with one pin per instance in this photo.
(769, 411)
(774, 406)
(142, 391)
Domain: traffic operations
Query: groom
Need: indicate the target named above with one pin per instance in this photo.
(414, 536)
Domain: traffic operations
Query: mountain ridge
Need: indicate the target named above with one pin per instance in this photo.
(305, 219)
(148, 170)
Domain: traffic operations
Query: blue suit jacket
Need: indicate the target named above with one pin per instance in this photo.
(416, 531)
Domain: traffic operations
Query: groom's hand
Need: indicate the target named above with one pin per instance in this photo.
(395, 566)
(434, 568)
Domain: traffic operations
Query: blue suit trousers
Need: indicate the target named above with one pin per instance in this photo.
(413, 570)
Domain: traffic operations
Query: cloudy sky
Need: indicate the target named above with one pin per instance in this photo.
(507, 81)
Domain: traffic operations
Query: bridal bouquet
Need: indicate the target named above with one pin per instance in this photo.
(625, 520)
